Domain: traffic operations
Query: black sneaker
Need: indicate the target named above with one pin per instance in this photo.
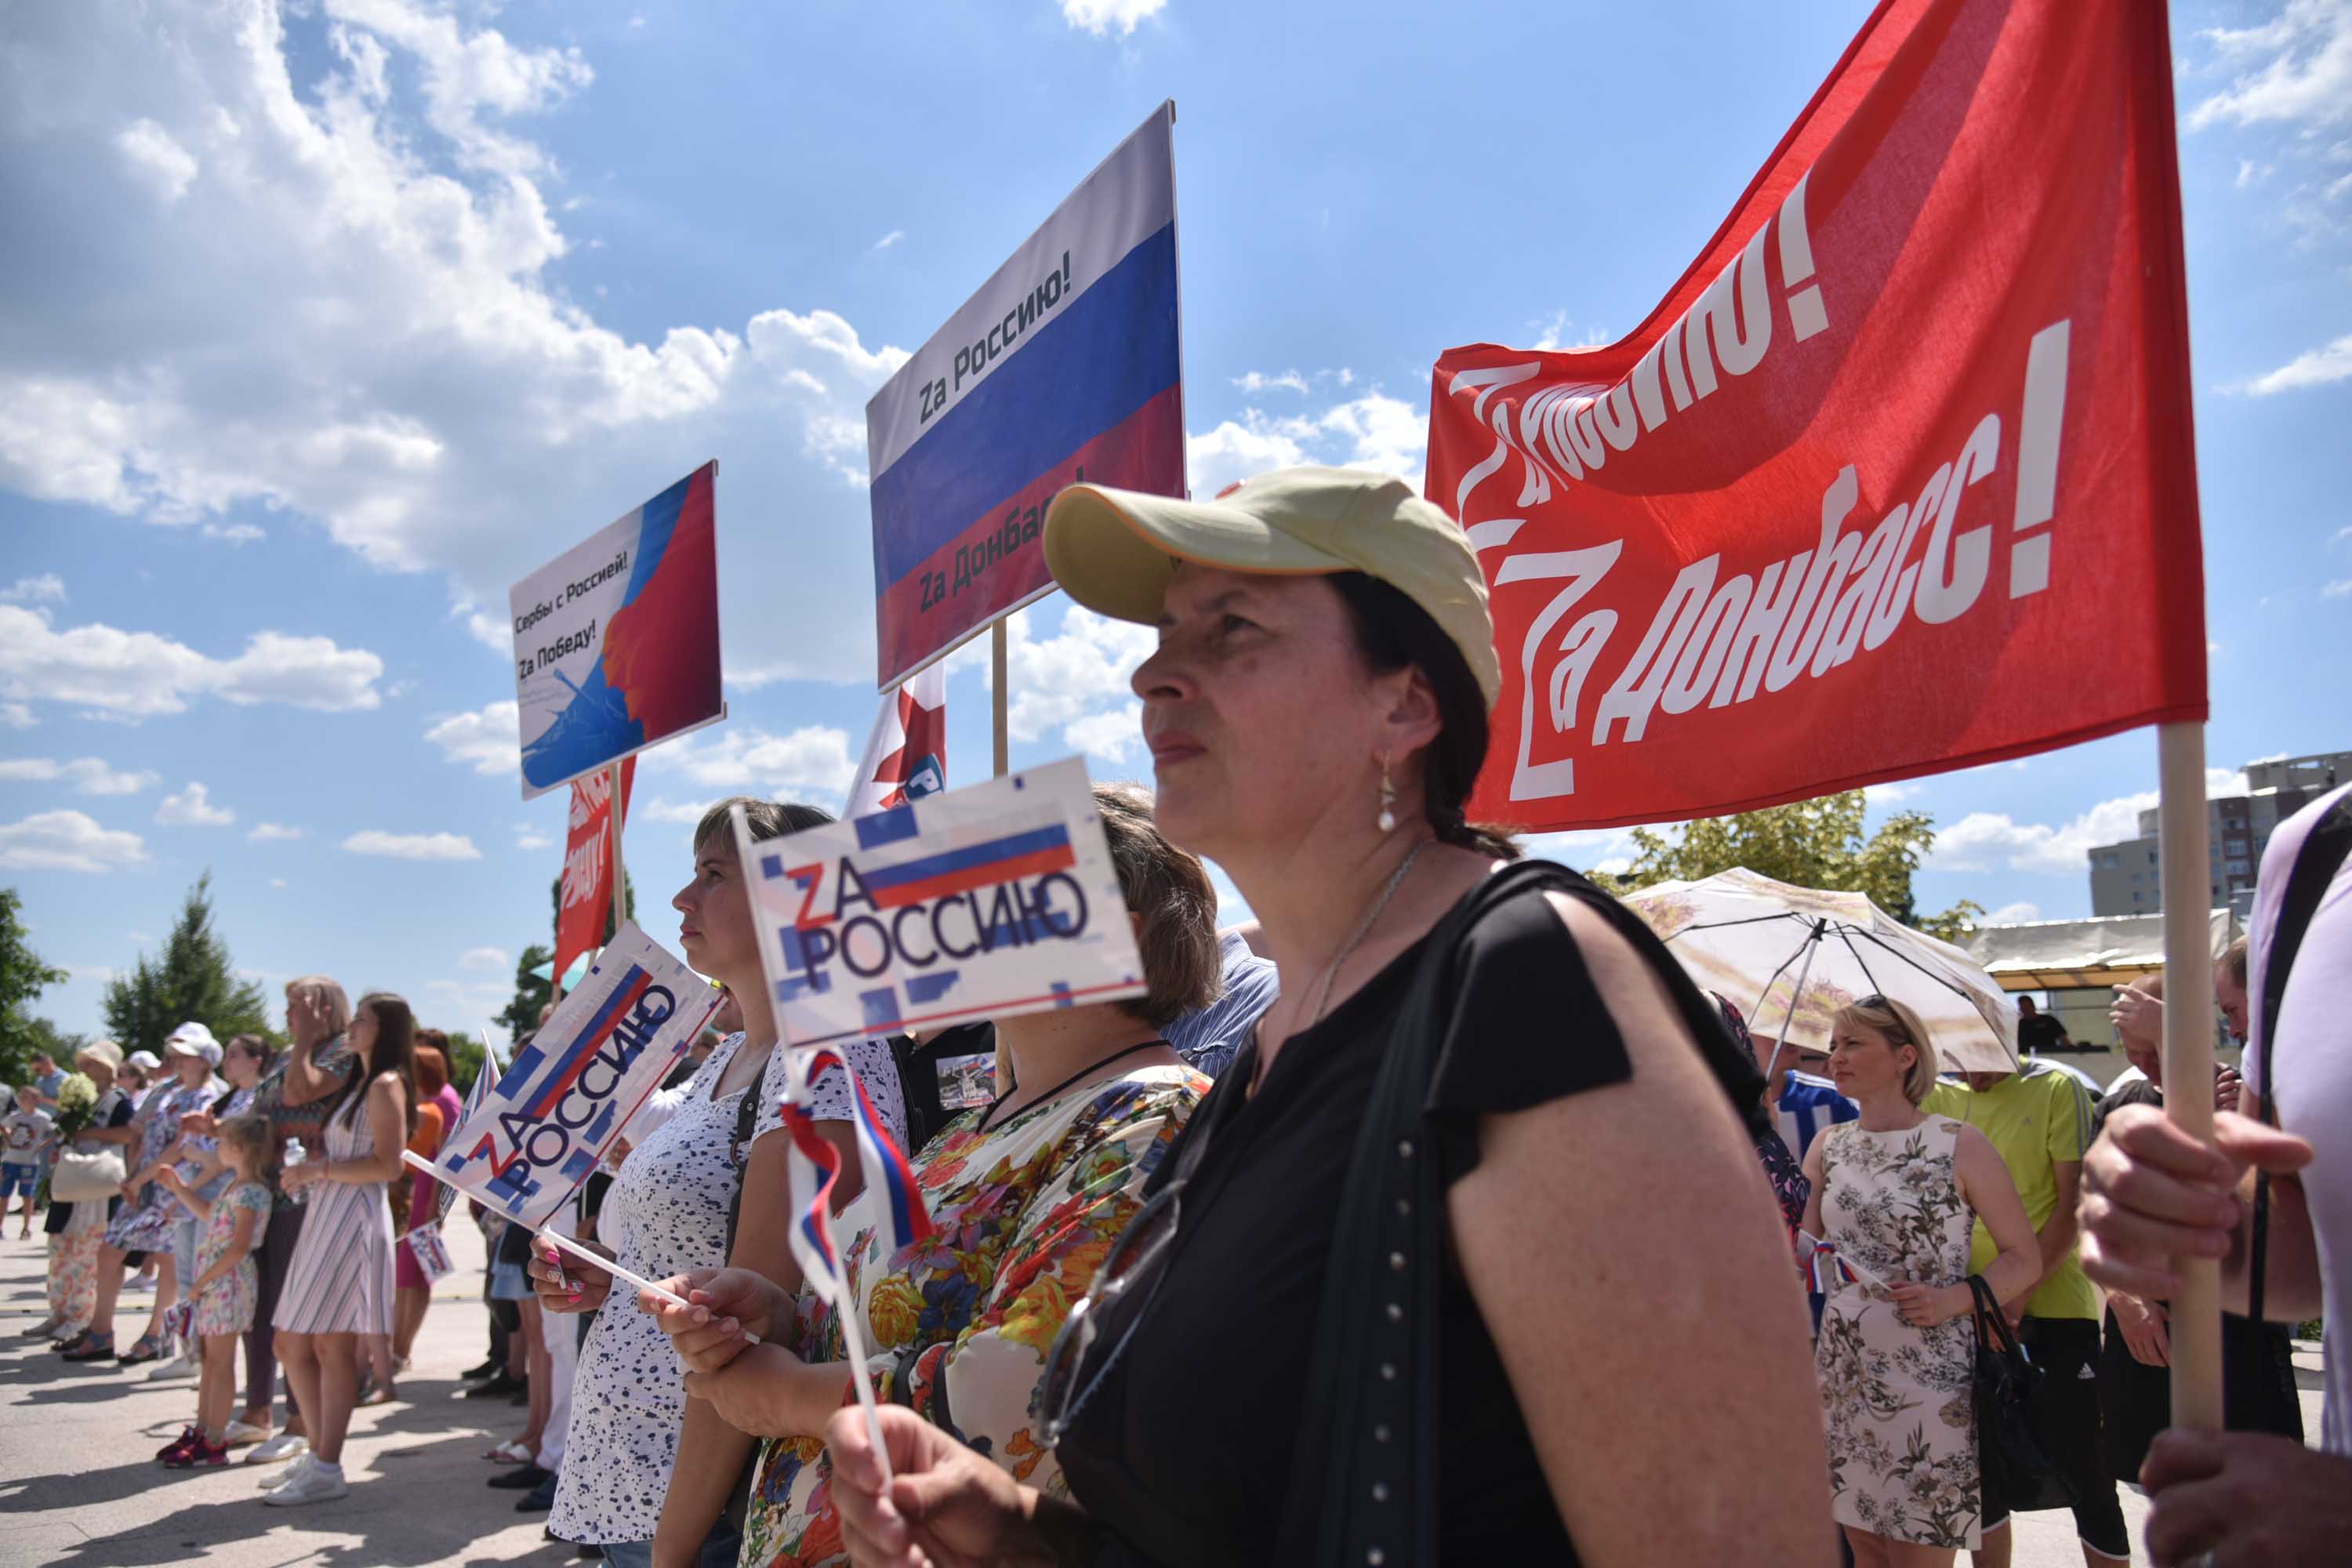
(491, 1366)
(521, 1479)
(501, 1384)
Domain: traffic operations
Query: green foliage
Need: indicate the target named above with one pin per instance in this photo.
(1811, 843)
(531, 993)
(193, 980)
(23, 977)
(464, 1061)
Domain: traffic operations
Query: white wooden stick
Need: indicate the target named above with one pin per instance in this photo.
(2182, 846)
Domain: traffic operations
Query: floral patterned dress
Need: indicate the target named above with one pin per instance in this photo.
(958, 1328)
(1898, 1402)
(226, 1306)
(147, 1226)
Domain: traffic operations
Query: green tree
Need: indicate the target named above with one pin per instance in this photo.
(23, 976)
(464, 1061)
(533, 992)
(1811, 843)
(192, 981)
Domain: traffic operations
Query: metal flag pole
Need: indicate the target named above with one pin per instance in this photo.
(997, 660)
(2184, 854)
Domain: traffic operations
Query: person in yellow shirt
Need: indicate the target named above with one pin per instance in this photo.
(2040, 1120)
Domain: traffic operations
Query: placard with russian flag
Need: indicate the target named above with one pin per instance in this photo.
(616, 640)
(983, 902)
(573, 1085)
(1066, 365)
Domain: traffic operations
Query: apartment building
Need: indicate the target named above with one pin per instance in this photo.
(2125, 879)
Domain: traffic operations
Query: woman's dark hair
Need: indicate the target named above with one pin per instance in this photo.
(1391, 633)
(395, 1048)
(766, 818)
(1170, 891)
(254, 1045)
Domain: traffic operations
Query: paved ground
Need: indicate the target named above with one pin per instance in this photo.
(79, 1485)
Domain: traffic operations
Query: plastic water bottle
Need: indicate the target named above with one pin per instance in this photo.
(295, 1154)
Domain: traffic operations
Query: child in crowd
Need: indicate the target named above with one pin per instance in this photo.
(227, 1283)
(28, 1132)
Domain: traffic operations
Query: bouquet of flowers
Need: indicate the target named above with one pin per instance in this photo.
(77, 1102)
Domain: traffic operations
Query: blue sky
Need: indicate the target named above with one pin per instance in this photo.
(342, 316)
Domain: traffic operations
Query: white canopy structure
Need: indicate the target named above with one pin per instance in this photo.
(2064, 956)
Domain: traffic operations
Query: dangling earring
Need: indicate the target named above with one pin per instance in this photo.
(1387, 798)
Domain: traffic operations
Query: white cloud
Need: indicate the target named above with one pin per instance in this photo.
(137, 674)
(158, 161)
(274, 832)
(1114, 735)
(193, 807)
(1554, 335)
(1991, 841)
(489, 739)
(889, 239)
(1100, 16)
(2338, 589)
(277, 882)
(1373, 431)
(528, 836)
(2252, 173)
(351, 314)
(91, 775)
(2313, 367)
(1075, 680)
(2302, 68)
(1889, 794)
(413, 845)
(2013, 914)
(49, 586)
(67, 841)
(16, 716)
(1254, 382)
(685, 811)
(810, 764)
(484, 958)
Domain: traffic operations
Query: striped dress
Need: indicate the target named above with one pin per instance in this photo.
(340, 1281)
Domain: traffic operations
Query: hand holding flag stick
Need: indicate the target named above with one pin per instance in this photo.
(598, 1260)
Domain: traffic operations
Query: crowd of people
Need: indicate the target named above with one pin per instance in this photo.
(1349, 1242)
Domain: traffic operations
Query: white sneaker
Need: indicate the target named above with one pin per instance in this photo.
(241, 1433)
(137, 1285)
(275, 1478)
(311, 1483)
(285, 1446)
(181, 1368)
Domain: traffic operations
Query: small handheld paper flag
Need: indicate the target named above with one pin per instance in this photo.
(887, 1171)
(432, 1254)
(1831, 1268)
(812, 1163)
(484, 1080)
(565, 1098)
(178, 1319)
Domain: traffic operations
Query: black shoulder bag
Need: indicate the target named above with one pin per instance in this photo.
(2016, 1466)
(1372, 1394)
(2323, 853)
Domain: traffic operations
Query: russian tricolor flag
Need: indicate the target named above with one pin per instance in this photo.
(887, 1174)
(1065, 365)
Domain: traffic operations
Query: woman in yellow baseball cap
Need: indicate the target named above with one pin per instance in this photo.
(1465, 1259)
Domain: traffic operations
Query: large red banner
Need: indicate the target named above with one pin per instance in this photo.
(585, 903)
(1898, 478)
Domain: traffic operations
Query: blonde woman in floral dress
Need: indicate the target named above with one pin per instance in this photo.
(1897, 1193)
(1028, 1194)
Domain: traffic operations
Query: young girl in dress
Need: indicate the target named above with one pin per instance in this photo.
(226, 1282)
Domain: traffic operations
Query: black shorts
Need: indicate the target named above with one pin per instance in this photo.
(2067, 1351)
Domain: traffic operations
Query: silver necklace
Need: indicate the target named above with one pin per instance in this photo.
(1396, 881)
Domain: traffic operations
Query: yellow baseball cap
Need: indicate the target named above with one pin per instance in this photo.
(1115, 551)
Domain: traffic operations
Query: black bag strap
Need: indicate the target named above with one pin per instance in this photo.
(1373, 1394)
(1992, 1323)
(2324, 852)
(738, 1154)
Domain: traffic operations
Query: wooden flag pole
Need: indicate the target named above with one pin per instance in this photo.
(612, 810)
(2182, 844)
(997, 659)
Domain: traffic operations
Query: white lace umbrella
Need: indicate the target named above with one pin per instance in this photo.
(1766, 945)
